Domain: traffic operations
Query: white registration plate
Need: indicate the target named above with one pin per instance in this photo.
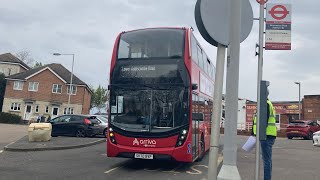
(143, 156)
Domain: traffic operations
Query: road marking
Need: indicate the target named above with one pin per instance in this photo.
(196, 171)
(174, 169)
(1, 151)
(9, 144)
(110, 170)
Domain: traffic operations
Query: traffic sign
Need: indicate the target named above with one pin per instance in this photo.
(262, 2)
(279, 12)
(214, 16)
(201, 27)
(278, 27)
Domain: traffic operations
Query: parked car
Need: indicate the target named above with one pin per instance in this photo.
(75, 125)
(302, 128)
(103, 123)
(316, 138)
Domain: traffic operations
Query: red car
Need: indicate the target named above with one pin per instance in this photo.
(302, 128)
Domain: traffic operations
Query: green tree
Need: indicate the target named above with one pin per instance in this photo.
(99, 98)
(3, 83)
(38, 64)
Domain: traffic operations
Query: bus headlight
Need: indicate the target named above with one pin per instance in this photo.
(111, 136)
(182, 137)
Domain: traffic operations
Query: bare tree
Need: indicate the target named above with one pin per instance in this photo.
(26, 57)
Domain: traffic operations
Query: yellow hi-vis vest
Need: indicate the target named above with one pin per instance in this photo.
(271, 128)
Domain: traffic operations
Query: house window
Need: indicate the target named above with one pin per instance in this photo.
(73, 90)
(68, 111)
(47, 109)
(37, 109)
(55, 111)
(18, 85)
(15, 107)
(57, 88)
(33, 86)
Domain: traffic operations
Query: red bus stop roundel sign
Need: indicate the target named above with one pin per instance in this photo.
(262, 2)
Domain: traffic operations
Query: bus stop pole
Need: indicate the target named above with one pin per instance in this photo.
(216, 114)
(260, 68)
(229, 170)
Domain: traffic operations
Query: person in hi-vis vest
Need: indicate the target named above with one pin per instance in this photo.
(266, 145)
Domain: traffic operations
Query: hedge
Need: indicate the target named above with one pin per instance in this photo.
(10, 118)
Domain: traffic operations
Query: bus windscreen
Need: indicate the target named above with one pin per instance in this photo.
(151, 43)
(149, 110)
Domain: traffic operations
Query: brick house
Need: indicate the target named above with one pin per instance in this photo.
(45, 91)
(9, 64)
(286, 111)
(311, 107)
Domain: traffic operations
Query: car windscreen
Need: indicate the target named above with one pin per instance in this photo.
(103, 119)
(297, 123)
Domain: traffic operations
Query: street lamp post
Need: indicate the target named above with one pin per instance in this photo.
(71, 78)
(299, 99)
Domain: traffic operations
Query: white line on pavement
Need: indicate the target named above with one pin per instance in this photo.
(1, 151)
(112, 169)
(10, 143)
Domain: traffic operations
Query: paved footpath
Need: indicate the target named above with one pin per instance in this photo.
(295, 159)
(10, 133)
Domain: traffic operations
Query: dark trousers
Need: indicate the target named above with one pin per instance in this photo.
(266, 149)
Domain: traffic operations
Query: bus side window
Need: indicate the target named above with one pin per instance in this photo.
(200, 57)
(209, 68)
(213, 72)
(195, 106)
(205, 62)
(194, 50)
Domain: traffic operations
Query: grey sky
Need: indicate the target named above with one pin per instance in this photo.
(89, 28)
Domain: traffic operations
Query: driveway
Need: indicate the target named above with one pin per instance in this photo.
(10, 133)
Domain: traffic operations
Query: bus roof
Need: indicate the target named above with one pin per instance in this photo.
(155, 28)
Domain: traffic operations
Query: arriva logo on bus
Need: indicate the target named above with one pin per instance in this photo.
(146, 142)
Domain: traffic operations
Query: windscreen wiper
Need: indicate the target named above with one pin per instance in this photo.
(175, 56)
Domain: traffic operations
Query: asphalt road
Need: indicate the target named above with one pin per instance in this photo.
(293, 160)
(92, 163)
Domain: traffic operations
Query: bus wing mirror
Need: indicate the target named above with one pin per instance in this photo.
(194, 86)
(109, 87)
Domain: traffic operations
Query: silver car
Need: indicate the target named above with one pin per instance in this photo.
(103, 123)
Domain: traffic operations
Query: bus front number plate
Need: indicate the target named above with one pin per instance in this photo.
(143, 156)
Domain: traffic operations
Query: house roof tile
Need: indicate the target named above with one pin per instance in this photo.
(8, 57)
(60, 70)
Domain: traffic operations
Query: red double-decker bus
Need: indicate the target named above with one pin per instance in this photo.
(161, 86)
